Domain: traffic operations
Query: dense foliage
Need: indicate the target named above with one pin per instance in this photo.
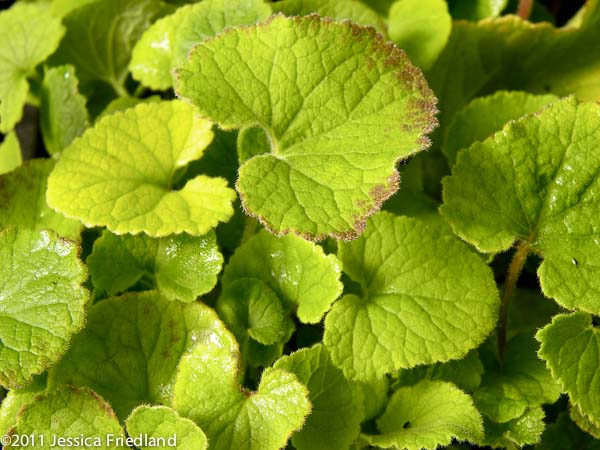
(308, 224)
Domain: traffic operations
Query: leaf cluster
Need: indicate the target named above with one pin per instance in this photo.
(218, 221)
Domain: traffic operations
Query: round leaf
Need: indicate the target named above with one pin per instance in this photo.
(341, 107)
(426, 297)
(143, 336)
(120, 174)
(537, 182)
(42, 302)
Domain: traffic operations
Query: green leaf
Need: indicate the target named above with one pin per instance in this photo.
(207, 392)
(465, 373)
(60, 8)
(426, 297)
(28, 35)
(524, 430)
(421, 28)
(340, 105)
(584, 422)
(41, 303)
(16, 399)
(123, 103)
(120, 174)
(337, 407)
(250, 309)
(63, 112)
(162, 423)
(570, 346)
(182, 267)
(476, 9)
(427, 415)
(380, 6)
(510, 53)
(529, 311)
(565, 434)
(69, 413)
(165, 44)
(23, 201)
(375, 396)
(299, 273)
(10, 153)
(100, 37)
(143, 336)
(485, 116)
(352, 10)
(536, 182)
(522, 382)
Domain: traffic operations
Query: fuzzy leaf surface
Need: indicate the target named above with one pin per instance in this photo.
(537, 182)
(64, 115)
(337, 407)
(182, 267)
(426, 297)
(340, 106)
(23, 201)
(298, 272)
(131, 345)
(165, 45)
(427, 415)
(28, 35)
(207, 392)
(163, 422)
(120, 174)
(570, 345)
(69, 412)
(42, 303)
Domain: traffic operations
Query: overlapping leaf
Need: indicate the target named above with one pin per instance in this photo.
(524, 430)
(161, 422)
(28, 35)
(42, 302)
(64, 114)
(10, 153)
(337, 406)
(121, 174)
(537, 183)
(421, 28)
(340, 107)
(426, 297)
(302, 277)
(427, 415)
(507, 390)
(352, 10)
(68, 413)
(182, 267)
(207, 392)
(166, 44)
(570, 345)
(510, 53)
(100, 37)
(131, 345)
(484, 116)
(23, 201)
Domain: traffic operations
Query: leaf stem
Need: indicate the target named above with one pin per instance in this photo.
(119, 89)
(524, 9)
(250, 226)
(514, 270)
